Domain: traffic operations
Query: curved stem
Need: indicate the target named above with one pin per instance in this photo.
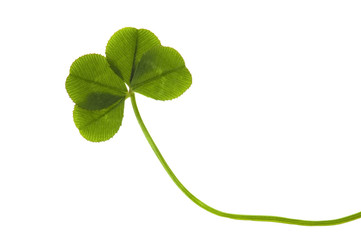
(224, 214)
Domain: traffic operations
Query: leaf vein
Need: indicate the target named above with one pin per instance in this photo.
(96, 83)
(157, 77)
(135, 54)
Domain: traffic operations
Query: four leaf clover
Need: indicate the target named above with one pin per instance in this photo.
(135, 61)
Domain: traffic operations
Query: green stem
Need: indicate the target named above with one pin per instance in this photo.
(230, 215)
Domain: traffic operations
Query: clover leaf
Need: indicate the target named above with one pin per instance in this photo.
(97, 84)
(161, 74)
(125, 49)
(135, 58)
(91, 83)
(99, 95)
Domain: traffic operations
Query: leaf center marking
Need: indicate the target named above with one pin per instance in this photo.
(97, 119)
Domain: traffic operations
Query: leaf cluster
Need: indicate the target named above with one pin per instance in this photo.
(135, 61)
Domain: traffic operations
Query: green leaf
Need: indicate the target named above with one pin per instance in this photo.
(125, 49)
(99, 125)
(97, 84)
(92, 84)
(161, 74)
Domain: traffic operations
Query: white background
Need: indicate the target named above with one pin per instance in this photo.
(271, 124)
